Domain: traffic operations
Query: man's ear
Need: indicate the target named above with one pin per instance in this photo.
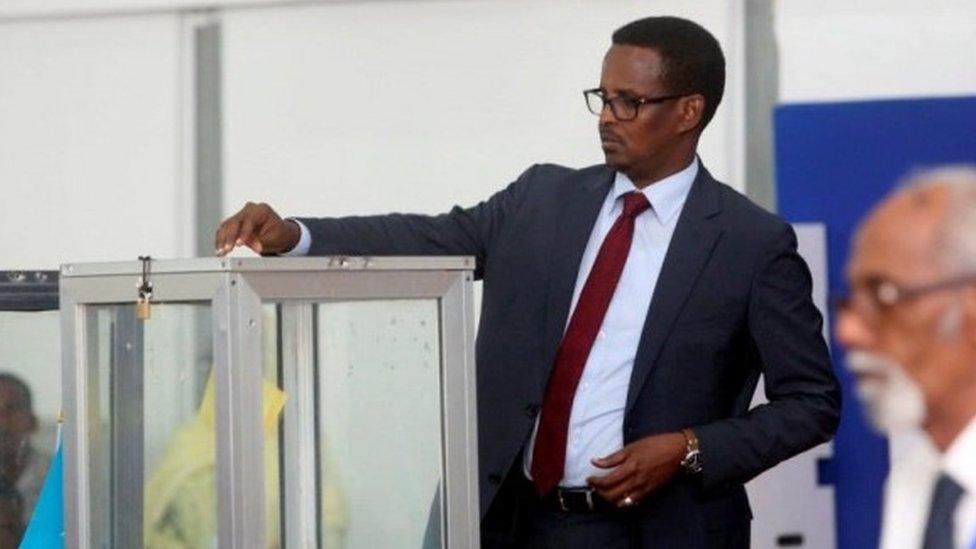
(691, 109)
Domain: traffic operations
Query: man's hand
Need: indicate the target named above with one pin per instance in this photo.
(258, 227)
(639, 468)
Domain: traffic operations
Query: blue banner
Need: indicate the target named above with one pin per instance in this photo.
(46, 528)
(834, 161)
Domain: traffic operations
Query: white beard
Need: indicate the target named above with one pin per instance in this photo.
(892, 400)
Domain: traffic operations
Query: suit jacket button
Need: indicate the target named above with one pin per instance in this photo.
(531, 410)
(494, 479)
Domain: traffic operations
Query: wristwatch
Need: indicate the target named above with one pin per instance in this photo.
(692, 462)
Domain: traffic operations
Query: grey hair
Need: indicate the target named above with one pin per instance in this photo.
(956, 242)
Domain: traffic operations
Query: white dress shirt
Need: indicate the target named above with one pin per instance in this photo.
(597, 417)
(915, 467)
(304, 242)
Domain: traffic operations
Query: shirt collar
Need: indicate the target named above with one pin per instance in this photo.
(959, 459)
(666, 196)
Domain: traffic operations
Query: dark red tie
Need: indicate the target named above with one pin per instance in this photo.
(549, 454)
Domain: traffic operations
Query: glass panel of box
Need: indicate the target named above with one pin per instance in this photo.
(318, 386)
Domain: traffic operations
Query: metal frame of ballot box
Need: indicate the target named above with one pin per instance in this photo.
(237, 289)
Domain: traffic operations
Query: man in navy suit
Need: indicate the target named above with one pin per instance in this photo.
(629, 310)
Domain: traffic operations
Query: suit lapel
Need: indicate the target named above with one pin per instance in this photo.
(577, 215)
(691, 245)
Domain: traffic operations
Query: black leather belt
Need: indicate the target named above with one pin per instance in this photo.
(569, 500)
(577, 500)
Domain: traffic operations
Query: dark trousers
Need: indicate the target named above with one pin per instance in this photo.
(518, 519)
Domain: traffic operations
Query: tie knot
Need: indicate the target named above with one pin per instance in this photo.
(635, 203)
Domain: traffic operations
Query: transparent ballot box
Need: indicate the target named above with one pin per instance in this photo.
(269, 402)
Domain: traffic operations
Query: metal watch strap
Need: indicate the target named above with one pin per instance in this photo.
(692, 462)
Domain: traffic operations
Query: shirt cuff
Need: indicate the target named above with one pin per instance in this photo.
(304, 242)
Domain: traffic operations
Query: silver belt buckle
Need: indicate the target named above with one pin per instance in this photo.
(562, 503)
(589, 498)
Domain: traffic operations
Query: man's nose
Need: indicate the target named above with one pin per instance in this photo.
(606, 115)
(851, 330)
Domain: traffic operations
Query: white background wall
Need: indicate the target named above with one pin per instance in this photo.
(89, 168)
(352, 108)
(90, 140)
(842, 50)
(355, 107)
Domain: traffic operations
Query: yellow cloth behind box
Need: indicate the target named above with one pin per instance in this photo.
(180, 506)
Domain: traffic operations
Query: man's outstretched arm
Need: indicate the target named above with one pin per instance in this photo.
(462, 231)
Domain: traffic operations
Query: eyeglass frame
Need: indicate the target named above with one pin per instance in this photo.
(886, 294)
(635, 102)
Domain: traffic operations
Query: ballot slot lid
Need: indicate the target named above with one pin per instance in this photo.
(365, 374)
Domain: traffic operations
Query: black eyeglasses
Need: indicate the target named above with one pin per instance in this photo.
(876, 295)
(623, 107)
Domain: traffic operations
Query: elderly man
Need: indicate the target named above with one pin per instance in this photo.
(910, 329)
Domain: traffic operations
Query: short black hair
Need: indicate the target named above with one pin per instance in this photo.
(21, 387)
(693, 60)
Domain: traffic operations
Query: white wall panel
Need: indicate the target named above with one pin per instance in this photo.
(840, 50)
(89, 141)
(366, 107)
(34, 9)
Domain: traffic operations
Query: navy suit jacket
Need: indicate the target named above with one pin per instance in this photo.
(732, 302)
